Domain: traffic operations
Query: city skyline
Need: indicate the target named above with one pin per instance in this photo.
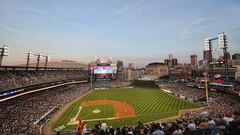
(135, 31)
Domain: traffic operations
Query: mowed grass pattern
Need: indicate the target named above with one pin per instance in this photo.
(149, 105)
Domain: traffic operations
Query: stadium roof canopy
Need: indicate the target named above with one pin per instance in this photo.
(155, 63)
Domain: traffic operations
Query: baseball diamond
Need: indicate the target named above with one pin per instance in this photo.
(122, 106)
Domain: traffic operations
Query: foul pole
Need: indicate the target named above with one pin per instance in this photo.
(206, 86)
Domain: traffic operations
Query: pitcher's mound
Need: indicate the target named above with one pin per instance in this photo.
(96, 111)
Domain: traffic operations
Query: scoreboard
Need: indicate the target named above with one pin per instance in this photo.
(105, 71)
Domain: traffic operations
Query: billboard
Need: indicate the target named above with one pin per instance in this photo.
(103, 70)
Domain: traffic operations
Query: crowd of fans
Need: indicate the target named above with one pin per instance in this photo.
(203, 125)
(221, 116)
(19, 78)
(110, 84)
(19, 115)
(183, 89)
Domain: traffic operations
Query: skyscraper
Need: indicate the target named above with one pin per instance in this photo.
(206, 55)
(130, 66)
(166, 62)
(175, 62)
(170, 56)
(236, 56)
(194, 60)
(171, 62)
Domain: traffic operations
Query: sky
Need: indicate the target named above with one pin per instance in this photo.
(137, 31)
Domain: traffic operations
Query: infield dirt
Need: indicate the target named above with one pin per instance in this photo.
(122, 109)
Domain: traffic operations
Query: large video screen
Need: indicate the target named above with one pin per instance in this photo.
(103, 70)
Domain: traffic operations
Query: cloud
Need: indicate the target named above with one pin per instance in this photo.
(129, 7)
(199, 21)
(188, 32)
(201, 28)
(197, 25)
(235, 29)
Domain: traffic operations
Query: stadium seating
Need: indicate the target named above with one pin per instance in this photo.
(16, 79)
(19, 115)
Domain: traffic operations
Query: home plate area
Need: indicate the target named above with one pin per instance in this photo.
(96, 110)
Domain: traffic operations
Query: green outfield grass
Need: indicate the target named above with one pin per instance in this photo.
(149, 105)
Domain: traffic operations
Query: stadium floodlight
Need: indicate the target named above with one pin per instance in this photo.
(30, 55)
(38, 60)
(39, 57)
(5, 50)
(222, 41)
(48, 57)
(207, 43)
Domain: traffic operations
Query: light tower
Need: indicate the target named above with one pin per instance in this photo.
(39, 55)
(38, 60)
(3, 52)
(29, 56)
(208, 47)
(46, 61)
(222, 41)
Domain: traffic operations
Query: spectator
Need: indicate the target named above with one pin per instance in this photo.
(178, 131)
(228, 119)
(211, 123)
(130, 131)
(80, 127)
(84, 126)
(104, 127)
(111, 130)
(204, 124)
(191, 126)
(158, 130)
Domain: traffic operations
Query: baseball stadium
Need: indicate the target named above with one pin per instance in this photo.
(96, 97)
(122, 67)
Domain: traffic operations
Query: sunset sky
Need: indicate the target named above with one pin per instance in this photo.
(138, 31)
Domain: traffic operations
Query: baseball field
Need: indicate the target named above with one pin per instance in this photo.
(121, 106)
